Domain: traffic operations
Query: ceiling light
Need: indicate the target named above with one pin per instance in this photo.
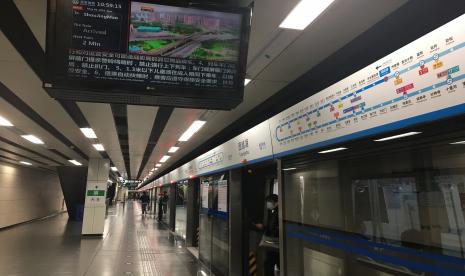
(458, 143)
(158, 165)
(152, 170)
(289, 169)
(25, 163)
(164, 158)
(173, 149)
(99, 147)
(156, 169)
(332, 150)
(196, 126)
(33, 139)
(397, 136)
(304, 13)
(246, 81)
(115, 169)
(5, 122)
(88, 132)
(74, 162)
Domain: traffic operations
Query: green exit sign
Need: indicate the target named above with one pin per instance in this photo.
(96, 193)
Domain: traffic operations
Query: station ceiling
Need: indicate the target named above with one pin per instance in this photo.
(136, 137)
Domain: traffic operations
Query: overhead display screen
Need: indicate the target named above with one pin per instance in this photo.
(147, 53)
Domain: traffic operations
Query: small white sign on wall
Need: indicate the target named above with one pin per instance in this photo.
(223, 196)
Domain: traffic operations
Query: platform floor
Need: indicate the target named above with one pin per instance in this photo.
(131, 245)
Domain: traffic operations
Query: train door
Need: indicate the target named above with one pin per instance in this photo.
(181, 208)
(259, 183)
(214, 224)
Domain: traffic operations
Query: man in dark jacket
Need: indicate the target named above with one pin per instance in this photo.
(145, 199)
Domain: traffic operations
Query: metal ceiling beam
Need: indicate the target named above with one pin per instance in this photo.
(80, 120)
(120, 116)
(16, 29)
(159, 124)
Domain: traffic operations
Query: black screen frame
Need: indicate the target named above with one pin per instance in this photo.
(110, 91)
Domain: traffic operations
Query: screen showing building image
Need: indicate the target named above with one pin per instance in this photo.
(160, 30)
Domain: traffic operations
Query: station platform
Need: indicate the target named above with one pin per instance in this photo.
(131, 245)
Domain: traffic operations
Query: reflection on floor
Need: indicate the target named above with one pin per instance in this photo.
(131, 245)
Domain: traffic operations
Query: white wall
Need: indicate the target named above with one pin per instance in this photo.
(27, 193)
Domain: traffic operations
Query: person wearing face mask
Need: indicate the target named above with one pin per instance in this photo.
(270, 241)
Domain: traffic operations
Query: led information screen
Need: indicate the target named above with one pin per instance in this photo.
(146, 52)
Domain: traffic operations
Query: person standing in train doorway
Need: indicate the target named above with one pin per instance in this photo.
(162, 202)
(269, 245)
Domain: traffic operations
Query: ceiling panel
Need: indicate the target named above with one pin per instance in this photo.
(140, 123)
(101, 120)
(179, 121)
(326, 35)
(25, 153)
(267, 15)
(6, 133)
(25, 124)
(35, 14)
(8, 53)
(27, 86)
(255, 92)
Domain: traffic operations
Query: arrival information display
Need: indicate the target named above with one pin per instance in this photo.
(120, 49)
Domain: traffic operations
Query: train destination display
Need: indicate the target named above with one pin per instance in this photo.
(143, 52)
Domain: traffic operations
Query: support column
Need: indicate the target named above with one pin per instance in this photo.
(236, 227)
(95, 207)
(73, 184)
(282, 240)
(172, 203)
(192, 212)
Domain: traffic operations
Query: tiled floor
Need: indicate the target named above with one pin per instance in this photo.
(131, 245)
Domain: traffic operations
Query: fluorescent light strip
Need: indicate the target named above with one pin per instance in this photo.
(397, 136)
(25, 163)
(246, 81)
(115, 169)
(33, 139)
(5, 122)
(158, 165)
(194, 128)
(89, 133)
(74, 162)
(173, 149)
(164, 158)
(304, 13)
(458, 143)
(99, 147)
(332, 150)
(289, 169)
